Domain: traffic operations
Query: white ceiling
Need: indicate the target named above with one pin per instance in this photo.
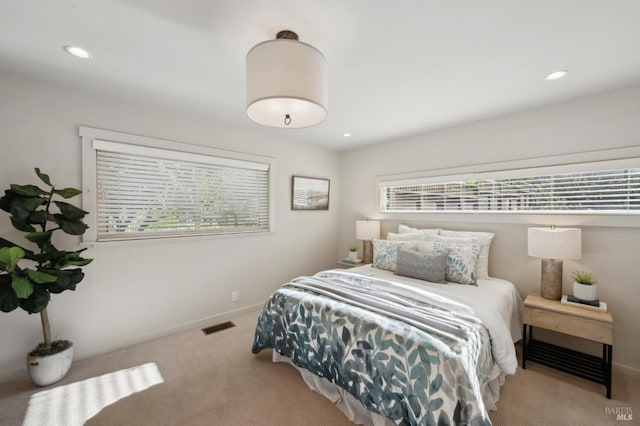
(396, 68)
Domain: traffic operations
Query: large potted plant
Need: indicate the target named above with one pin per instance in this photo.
(29, 277)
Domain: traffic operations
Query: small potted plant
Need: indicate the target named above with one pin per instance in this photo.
(28, 278)
(584, 285)
(353, 253)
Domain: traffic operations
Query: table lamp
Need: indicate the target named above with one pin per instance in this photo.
(367, 230)
(553, 245)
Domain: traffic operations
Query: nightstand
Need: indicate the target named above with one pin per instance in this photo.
(574, 321)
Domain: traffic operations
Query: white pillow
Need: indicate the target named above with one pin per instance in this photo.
(404, 229)
(385, 253)
(412, 236)
(443, 239)
(485, 239)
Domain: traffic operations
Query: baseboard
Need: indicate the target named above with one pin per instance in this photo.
(21, 373)
(625, 370)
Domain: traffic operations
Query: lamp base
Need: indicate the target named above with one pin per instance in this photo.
(551, 287)
(367, 251)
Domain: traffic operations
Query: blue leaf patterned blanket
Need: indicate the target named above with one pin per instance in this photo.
(415, 361)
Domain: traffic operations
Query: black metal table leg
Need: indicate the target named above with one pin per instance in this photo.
(609, 364)
(524, 346)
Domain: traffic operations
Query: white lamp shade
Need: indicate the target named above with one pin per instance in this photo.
(367, 230)
(555, 243)
(286, 77)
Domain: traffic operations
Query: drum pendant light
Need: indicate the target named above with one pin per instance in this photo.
(286, 83)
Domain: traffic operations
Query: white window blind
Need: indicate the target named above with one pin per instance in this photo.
(589, 188)
(144, 192)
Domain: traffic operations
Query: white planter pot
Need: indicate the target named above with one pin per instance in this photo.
(585, 292)
(45, 370)
(353, 255)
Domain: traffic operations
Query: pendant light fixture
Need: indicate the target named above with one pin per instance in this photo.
(286, 83)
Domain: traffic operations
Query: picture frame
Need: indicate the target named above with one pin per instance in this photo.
(308, 193)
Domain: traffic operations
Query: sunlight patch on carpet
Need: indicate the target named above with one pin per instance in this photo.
(75, 403)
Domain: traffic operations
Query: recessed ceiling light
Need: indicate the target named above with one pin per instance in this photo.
(78, 52)
(346, 135)
(556, 75)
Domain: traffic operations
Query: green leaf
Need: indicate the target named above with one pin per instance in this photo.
(69, 211)
(7, 200)
(38, 216)
(40, 277)
(21, 225)
(67, 192)
(67, 279)
(62, 259)
(82, 262)
(29, 203)
(22, 286)
(28, 254)
(19, 212)
(39, 237)
(19, 218)
(38, 300)
(28, 190)
(8, 299)
(71, 227)
(10, 256)
(44, 177)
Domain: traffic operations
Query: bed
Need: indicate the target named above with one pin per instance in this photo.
(392, 349)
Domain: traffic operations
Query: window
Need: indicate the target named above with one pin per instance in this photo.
(138, 191)
(598, 187)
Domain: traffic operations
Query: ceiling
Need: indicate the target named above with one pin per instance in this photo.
(395, 68)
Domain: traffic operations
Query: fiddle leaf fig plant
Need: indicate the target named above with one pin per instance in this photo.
(29, 277)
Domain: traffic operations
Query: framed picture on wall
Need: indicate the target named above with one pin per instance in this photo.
(309, 193)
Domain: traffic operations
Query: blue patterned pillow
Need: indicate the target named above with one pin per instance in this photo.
(385, 253)
(427, 267)
(462, 259)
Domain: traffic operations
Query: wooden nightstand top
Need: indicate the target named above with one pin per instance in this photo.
(537, 301)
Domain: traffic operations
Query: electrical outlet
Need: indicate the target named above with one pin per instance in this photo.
(234, 296)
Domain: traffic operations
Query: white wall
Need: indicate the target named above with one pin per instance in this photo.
(140, 291)
(605, 121)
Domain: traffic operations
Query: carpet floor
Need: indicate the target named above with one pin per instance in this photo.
(216, 380)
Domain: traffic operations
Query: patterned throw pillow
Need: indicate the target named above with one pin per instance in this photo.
(385, 253)
(462, 259)
(485, 239)
(428, 267)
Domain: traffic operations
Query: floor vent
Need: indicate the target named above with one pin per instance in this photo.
(218, 327)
